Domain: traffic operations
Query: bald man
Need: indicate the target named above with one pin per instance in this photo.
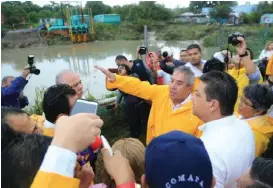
(72, 79)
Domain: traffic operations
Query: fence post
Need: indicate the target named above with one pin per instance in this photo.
(145, 36)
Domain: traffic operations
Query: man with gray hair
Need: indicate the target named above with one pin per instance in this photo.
(72, 79)
(171, 104)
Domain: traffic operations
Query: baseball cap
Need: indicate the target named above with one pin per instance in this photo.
(220, 56)
(177, 159)
(167, 50)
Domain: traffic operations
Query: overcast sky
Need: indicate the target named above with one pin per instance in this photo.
(167, 3)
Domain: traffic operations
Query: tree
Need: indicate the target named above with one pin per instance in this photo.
(264, 7)
(13, 12)
(255, 17)
(220, 11)
(45, 14)
(98, 7)
(33, 17)
(196, 6)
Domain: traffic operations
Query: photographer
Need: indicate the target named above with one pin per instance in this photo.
(245, 71)
(11, 90)
(138, 67)
(168, 63)
(136, 111)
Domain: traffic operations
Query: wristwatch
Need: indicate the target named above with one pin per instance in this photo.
(243, 55)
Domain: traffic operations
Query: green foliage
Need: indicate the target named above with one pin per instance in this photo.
(91, 97)
(220, 11)
(251, 18)
(13, 12)
(145, 10)
(118, 32)
(110, 95)
(33, 17)
(264, 7)
(44, 14)
(196, 6)
(98, 7)
(37, 107)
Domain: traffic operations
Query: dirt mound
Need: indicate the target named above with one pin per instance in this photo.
(20, 39)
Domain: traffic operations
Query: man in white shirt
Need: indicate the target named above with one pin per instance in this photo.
(72, 79)
(228, 140)
(196, 63)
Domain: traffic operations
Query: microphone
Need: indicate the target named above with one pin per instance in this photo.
(96, 145)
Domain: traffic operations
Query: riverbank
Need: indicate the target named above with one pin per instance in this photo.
(213, 35)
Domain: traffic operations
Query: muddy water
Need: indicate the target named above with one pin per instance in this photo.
(80, 58)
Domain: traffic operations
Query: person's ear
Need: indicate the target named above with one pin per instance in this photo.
(214, 105)
(143, 182)
(213, 183)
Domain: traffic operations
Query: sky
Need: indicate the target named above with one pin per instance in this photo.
(167, 3)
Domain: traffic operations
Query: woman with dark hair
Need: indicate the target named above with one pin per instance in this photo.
(255, 108)
(259, 175)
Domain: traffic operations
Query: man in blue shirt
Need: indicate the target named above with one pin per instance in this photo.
(11, 90)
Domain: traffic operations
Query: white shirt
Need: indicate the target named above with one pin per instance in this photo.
(166, 77)
(266, 53)
(175, 107)
(48, 124)
(59, 161)
(231, 148)
(196, 71)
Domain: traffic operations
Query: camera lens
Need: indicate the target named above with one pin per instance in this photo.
(35, 71)
(165, 54)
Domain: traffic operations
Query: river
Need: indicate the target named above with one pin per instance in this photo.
(80, 58)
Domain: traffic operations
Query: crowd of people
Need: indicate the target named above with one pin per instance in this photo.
(208, 123)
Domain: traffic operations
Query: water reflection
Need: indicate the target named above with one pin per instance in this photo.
(80, 58)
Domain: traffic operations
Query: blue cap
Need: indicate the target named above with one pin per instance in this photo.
(177, 159)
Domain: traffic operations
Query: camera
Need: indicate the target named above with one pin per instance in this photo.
(142, 50)
(232, 38)
(165, 54)
(32, 68)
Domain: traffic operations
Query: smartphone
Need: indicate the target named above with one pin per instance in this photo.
(84, 106)
(106, 144)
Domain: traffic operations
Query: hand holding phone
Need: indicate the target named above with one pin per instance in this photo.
(106, 145)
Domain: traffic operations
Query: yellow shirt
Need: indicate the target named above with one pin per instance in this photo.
(269, 67)
(40, 120)
(242, 81)
(162, 118)
(53, 180)
(263, 131)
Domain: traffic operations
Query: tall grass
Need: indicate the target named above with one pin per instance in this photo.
(37, 107)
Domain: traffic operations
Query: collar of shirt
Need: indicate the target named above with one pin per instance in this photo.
(175, 107)
(48, 124)
(196, 71)
(242, 118)
(214, 124)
